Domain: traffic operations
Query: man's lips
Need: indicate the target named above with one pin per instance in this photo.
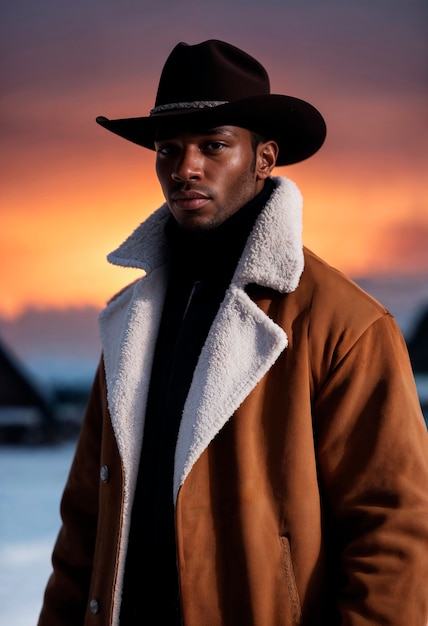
(190, 200)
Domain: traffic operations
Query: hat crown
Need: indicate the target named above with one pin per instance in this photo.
(210, 71)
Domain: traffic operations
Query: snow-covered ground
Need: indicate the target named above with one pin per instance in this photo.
(32, 480)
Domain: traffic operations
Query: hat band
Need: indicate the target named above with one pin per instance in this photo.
(198, 104)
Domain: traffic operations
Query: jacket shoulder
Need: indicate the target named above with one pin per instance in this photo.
(327, 287)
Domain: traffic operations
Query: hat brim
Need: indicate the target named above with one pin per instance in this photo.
(297, 126)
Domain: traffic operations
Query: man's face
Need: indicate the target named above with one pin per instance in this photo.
(207, 176)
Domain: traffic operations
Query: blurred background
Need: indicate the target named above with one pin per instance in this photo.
(71, 192)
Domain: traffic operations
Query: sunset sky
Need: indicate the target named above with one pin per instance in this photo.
(71, 191)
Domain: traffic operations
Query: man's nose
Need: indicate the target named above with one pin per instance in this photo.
(188, 165)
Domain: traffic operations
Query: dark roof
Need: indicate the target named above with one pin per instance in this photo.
(418, 344)
(16, 386)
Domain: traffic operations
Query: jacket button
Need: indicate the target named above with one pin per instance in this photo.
(104, 474)
(94, 606)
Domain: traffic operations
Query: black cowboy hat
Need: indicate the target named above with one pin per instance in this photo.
(214, 83)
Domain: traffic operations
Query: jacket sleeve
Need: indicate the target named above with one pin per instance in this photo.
(66, 594)
(373, 465)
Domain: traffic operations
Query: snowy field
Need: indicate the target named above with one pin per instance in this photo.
(32, 480)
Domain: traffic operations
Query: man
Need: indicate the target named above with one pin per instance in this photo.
(253, 451)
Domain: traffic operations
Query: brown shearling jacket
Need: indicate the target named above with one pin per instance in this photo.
(301, 471)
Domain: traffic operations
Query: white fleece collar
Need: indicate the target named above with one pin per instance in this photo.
(273, 256)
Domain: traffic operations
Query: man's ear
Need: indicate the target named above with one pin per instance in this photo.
(267, 154)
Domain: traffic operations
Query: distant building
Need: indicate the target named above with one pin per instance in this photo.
(418, 344)
(418, 350)
(25, 411)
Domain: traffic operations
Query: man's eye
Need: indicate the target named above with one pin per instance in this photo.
(165, 149)
(215, 146)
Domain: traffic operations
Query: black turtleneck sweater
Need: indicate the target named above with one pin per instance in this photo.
(202, 264)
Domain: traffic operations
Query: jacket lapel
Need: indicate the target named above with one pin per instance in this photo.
(129, 327)
(242, 345)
